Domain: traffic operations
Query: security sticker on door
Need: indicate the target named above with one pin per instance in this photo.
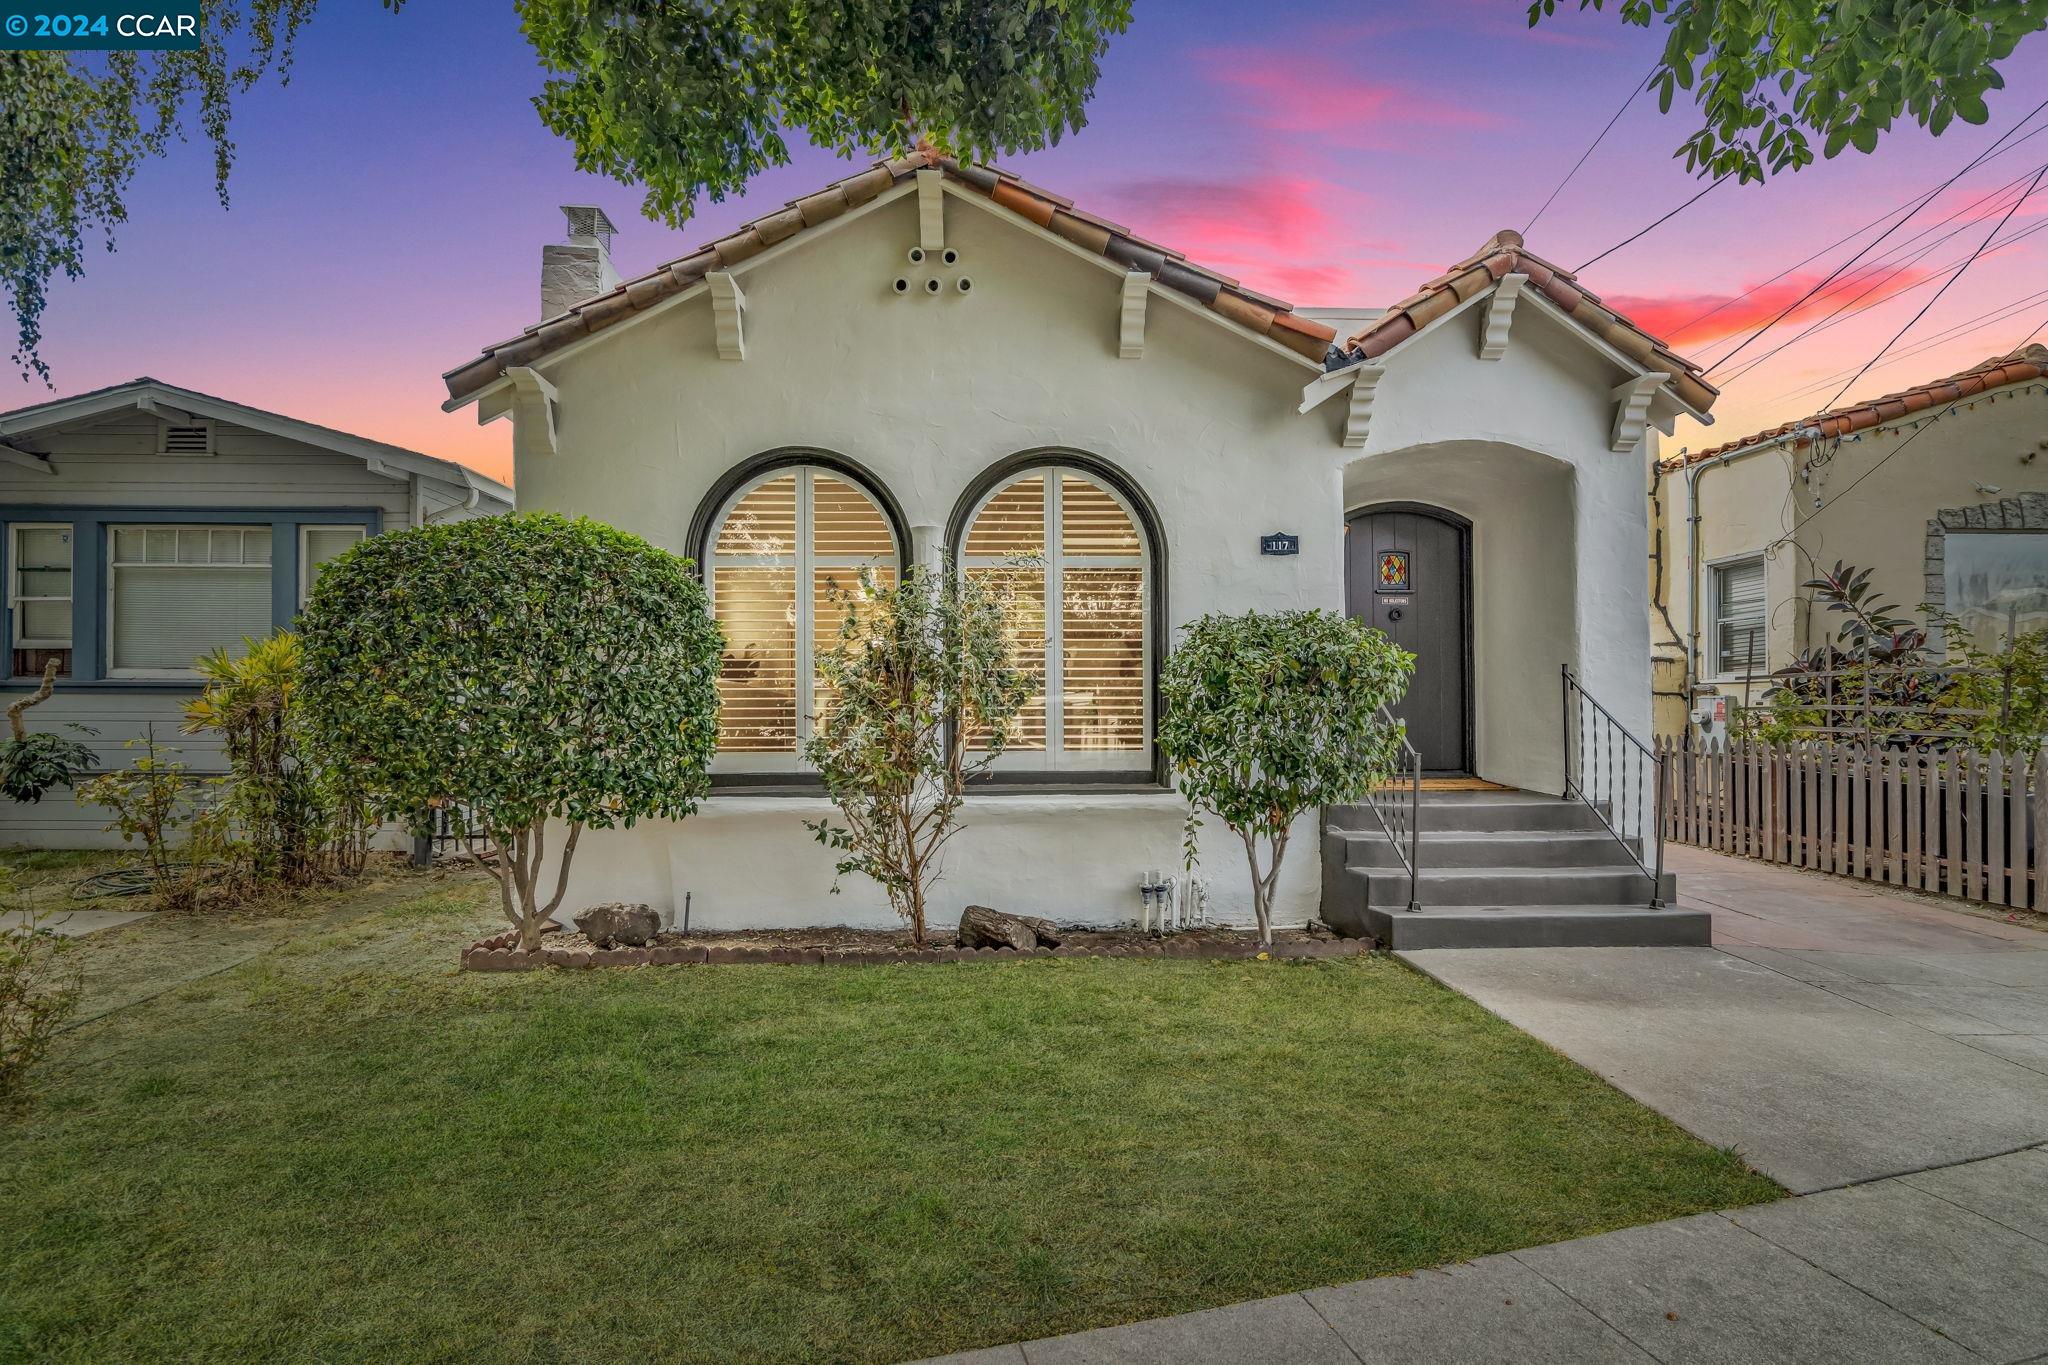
(1393, 571)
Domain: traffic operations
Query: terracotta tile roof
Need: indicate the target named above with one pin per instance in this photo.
(2015, 367)
(1505, 255)
(1266, 316)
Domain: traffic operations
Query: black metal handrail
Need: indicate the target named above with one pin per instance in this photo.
(1385, 802)
(1601, 756)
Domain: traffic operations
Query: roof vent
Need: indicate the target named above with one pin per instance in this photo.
(188, 440)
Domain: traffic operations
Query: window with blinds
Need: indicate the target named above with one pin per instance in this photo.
(39, 586)
(1070, 554)
(1739, 614)
(176, 592)
(318, 547)
(785, 565)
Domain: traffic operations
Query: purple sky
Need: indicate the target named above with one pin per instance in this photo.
(389, 205)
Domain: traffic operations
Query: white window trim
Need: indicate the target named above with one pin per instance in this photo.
(305, 550)
(1055, 756)
(1712, 590)
(15, 596)
(806, 561)
(112, 567)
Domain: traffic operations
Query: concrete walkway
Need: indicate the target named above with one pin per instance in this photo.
(1836, 1033)
(73, 923)
(1882, 1056)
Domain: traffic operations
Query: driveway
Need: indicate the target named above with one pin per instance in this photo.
(1836, 1032)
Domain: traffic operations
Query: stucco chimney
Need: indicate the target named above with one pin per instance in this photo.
(580, 268)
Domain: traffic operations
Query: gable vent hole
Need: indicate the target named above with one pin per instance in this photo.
(931, 286)
(188, 440)
(965, 283)
(917, 255)
(902, 285)
(951, 257)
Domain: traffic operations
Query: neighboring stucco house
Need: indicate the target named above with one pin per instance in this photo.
(1940, 489)
(145, 524)
(930, 362)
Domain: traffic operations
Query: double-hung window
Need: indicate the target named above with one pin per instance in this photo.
(39, 591)
(786, 557)
(1075, 562)
(177, 592)
(318, 547)
(1739, 616)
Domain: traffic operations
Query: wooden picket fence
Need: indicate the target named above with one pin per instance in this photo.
(1956, 823)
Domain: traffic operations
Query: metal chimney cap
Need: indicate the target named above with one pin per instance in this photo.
(588, 220)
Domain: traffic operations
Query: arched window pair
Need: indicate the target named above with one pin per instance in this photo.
(1071, 547)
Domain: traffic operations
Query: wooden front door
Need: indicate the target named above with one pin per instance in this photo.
(1408, 573)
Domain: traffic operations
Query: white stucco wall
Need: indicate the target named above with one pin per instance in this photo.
(928, 392)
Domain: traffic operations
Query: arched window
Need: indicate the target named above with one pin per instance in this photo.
(784, 542)
(1075, 555)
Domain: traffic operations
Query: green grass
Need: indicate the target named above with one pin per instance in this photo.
(342, 1149)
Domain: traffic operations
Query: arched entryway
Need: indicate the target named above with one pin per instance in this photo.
(1408, 572)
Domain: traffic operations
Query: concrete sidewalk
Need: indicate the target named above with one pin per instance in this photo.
(1947, 1265)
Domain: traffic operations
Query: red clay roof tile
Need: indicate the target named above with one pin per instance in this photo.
(2022, 366)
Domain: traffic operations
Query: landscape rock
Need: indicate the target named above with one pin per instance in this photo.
(982, 926)
(619, 925)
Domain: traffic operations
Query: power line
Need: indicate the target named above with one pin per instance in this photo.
(1848, 309)
(1660, 222)
(1989, 318)
(1588, 152)
(1944, 288)
(1692, 322)
(1974, 162)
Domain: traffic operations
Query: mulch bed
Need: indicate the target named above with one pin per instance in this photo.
(885, 947)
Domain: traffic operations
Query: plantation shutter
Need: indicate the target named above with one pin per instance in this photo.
(1072, 557)
(1739, 601)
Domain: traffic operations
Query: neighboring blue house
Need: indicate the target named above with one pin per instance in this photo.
(143, 525)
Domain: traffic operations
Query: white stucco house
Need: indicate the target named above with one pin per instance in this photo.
(930, 362)
(144, 524)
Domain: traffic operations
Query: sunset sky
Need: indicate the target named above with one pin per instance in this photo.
(389, 205)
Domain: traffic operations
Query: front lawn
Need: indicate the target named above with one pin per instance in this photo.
(341, 1148)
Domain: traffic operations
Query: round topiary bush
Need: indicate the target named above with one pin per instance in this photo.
(515, 670)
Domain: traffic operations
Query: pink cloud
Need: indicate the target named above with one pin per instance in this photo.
(1694, 319)
(1291, 235)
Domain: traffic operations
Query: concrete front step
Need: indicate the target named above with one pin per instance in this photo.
(1537, 926)
(1514, 885)
(1498, 848)
(1481, 812)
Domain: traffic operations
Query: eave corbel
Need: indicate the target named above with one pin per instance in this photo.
(533, 405)
(1131, 315)
(1358, 416)
(931, 211)
(1500, 316)
(1632, 409)
(728, 308)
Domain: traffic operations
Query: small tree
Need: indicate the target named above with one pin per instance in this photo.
(512, 671)
(39, 990)
(181, 822)
(274, 797)
(920, 672)
(1266, 716)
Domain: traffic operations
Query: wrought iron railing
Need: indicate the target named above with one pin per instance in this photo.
(1618, 777)
(1397, 805)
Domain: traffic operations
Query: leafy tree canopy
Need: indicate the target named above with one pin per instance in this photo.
(686, 99)
(1769, 76)
(695, 99)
